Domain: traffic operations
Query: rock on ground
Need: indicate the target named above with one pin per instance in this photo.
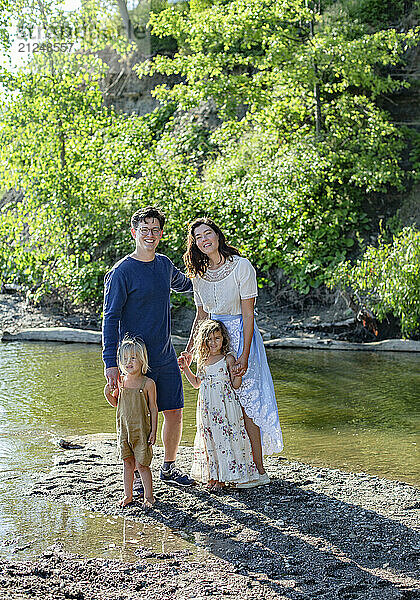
(274, 319)
(312, 533)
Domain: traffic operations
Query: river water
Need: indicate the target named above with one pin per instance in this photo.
(357, 411)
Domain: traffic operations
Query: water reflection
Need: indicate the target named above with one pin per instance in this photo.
(355, 410)
(58, 387)
(34, 525)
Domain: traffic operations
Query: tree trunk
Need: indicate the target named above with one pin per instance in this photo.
(140, 38)
(122, 6)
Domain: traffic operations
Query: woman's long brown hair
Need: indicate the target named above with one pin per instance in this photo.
(196, 262)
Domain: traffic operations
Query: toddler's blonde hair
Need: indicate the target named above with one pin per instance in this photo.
(201, 348)
(127, 348)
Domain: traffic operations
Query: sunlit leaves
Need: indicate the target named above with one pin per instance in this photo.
(387, 278)
(259, 54)
(289, 194)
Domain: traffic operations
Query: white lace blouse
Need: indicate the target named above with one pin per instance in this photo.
(221, 290)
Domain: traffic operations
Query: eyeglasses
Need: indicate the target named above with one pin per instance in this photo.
(155, 231)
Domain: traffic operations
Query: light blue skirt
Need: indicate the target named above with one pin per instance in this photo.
(256, 393)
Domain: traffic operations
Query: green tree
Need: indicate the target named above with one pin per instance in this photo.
(304, 79)
(284, 61)
(387, 278)
(301, 152)
(82, 169)
(49, 130)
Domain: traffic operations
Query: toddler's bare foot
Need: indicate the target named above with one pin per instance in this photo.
(148, 502)
(210, 484)
(126, 501)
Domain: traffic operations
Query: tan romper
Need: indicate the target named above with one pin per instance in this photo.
(134, 425)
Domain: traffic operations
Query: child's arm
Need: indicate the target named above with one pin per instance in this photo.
(184, 366)
(150, 389)
(235, 380)
(111, 395)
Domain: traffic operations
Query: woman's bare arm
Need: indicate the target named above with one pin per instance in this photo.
(200, 315)
(235, 380)
(247, 308)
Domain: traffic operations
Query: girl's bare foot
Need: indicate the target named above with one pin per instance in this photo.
(148, 502)
(126, 501)
(210, 484)
(217, 486)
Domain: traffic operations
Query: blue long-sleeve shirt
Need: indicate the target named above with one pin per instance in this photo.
(137, 302)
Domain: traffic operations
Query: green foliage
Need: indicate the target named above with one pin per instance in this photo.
(269, 56)
(5, 7)
(226, 51)
(387, 277)
(178, 299)
(80, 168)
(379, 13)
(285, 206)
(289, 173)
(187, 135)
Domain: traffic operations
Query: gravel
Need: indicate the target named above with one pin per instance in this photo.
(312, 533)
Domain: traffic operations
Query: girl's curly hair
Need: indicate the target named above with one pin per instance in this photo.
(196, 262)
(201, 347)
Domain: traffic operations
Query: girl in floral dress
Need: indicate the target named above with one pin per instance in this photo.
(222, 451)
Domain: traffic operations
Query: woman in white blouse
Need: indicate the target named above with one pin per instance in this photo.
(225, 288)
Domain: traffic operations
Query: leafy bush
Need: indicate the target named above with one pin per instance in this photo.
(286, 206)
(82, 169)
(379, 13)
(387, 277)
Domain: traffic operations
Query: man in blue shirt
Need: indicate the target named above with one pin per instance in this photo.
(137, 303)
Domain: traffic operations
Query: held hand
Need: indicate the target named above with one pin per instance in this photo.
(241, 366)
(187, 357)
(113, 377)
(152, 438)
(109, 392)
(111, 395)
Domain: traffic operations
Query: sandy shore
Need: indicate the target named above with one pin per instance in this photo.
(312, 533)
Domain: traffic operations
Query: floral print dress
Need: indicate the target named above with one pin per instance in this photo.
(222, 450)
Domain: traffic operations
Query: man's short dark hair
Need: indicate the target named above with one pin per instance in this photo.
(149, 212)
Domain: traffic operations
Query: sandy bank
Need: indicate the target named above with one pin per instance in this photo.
(312, 533)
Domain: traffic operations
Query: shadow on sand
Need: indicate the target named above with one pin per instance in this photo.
(303, 543)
